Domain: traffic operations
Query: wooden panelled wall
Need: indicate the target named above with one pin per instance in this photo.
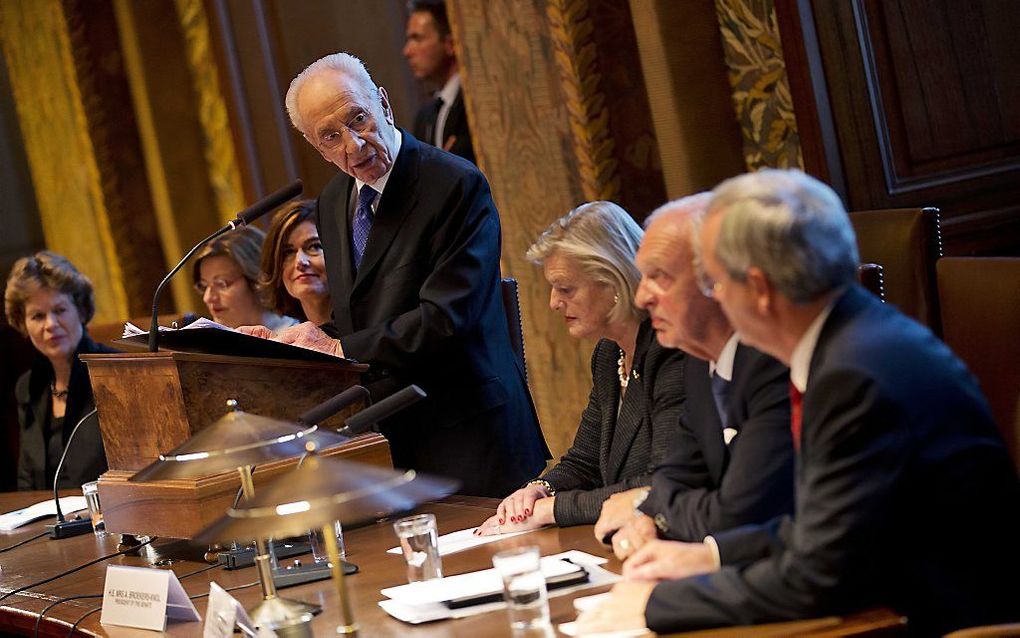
(913, 103)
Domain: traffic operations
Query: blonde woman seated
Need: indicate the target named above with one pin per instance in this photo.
(226, 273)
(293, 280)
(633, 411)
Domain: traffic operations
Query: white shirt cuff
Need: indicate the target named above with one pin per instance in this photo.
(712, 545)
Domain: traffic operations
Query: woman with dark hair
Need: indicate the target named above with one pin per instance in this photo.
(293, 268)
(226, 274)
(50, 302)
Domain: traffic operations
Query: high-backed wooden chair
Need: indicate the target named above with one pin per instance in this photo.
(512, 307)
(980, 300)
(907, 242)
(870, 276)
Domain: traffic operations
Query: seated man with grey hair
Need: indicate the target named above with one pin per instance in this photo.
(905, 494)
(732, 462)
(411, 238)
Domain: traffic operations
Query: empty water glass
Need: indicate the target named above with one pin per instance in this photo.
(419, 542)
(91, 492)
(318, 542)
(524, 589)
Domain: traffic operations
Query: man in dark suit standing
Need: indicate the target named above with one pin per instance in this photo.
(732, 462)
(412, 240)
(905, 494)
(433, 60)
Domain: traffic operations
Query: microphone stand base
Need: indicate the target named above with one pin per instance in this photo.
(67, 529)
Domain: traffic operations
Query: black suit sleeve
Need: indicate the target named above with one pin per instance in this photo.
(758, 481)
(464, 245)
(21, 393)
(854, 450)
(583, 505)
(579, 467)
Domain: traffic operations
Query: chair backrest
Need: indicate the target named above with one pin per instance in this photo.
(512, 307)
(871, 277)
(907, 242)
(980, 300)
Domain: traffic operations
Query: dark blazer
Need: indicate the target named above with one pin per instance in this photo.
(456, 127)
(86, 459)
(705, 486)
(905, 495)
(616, 452)
(425, 308)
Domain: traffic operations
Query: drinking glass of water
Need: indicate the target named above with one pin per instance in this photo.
(419, 542)
(524, 589)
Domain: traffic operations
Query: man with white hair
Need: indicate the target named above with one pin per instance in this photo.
(905, 494)
(412, 242)
(732, 461)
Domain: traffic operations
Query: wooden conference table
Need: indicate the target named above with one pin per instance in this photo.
(366, 547)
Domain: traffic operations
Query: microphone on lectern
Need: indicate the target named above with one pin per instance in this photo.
(389, 406)
(334, 404)
(245, 217)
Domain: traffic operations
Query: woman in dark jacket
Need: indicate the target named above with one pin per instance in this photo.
(633, 412)
(50, 302)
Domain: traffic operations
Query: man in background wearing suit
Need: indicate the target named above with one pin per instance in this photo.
(430, 54)
(412, 242)
(905, 494)
(732, 462)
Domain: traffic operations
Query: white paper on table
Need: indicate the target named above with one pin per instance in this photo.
(570, 629)
(588, 603)
(465, 539)
(414, 604)
(42, 509)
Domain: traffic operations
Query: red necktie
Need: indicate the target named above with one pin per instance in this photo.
(796, 400)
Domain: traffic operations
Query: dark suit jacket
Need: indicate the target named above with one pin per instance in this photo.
(705, 486)
(612, 453)
(86, 459)
(905, 495)
(456, 127)
(425, 308)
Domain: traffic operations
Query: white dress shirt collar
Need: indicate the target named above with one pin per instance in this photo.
(724, 364)
(379, 185)
(449, 91)
(800, 360)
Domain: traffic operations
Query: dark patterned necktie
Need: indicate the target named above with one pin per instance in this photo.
(362, 222)
(796, 401)
(720, 392)
(433, 122)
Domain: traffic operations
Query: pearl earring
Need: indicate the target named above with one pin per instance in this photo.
(616, 299)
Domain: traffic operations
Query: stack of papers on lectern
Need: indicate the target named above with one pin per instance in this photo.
(208, 337)
(427, 601)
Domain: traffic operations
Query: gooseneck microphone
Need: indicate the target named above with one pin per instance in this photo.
(64, 528)
(332, 405)
(245, 217)
(392, 404)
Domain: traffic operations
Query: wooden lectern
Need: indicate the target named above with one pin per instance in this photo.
(150, 403)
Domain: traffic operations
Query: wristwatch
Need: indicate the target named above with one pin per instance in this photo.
(549, 489)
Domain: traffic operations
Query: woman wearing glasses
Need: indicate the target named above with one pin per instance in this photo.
(226, 273)
(293, 279)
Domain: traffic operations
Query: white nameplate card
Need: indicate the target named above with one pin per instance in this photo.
(144, 597)
(224, 613)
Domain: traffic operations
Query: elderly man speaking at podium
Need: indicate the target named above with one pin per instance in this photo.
(412, 242)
